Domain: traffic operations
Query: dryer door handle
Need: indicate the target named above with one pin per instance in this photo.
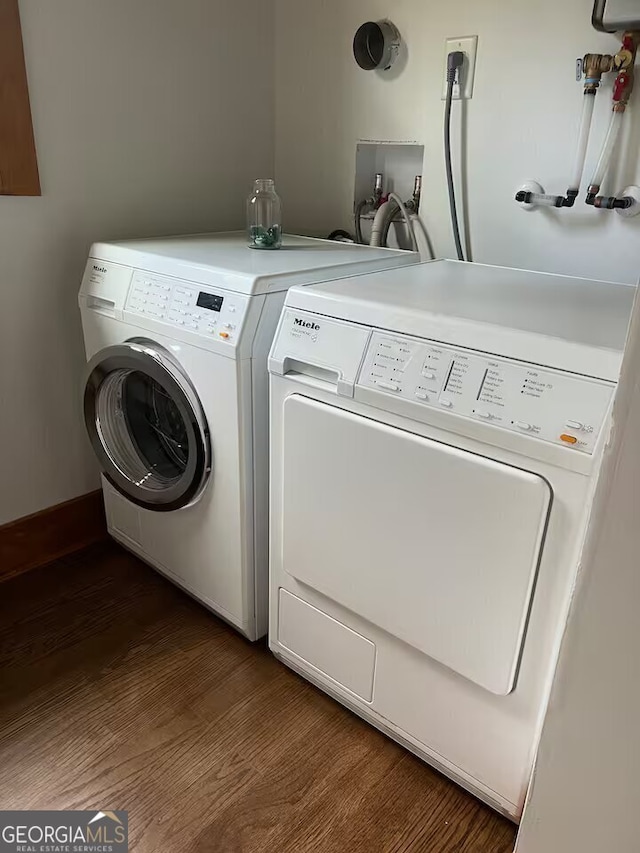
(308, 368)
(101, 305)
(322, 373)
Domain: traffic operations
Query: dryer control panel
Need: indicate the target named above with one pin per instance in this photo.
(558, 407)
(215, 313)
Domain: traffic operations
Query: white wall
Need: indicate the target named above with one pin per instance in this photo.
(150, 117)
(521, 122)
(586, 787)
(153, 116)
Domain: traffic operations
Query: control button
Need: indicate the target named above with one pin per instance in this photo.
(574, 425)
(224, 335)
(485, 415)
(193, 325)
(388, 385)
(428, 374)
(232, 309)
(422, 395)
(446, 403)
(229, 326)
(195, 316)
(570, 439)
(166, 287)
(523, 426)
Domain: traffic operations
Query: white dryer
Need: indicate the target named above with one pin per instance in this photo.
(177, 333)
(436, 435)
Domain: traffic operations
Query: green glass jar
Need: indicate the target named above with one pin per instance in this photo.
(264, 216)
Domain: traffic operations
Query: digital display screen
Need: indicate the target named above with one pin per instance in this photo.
(209, 301)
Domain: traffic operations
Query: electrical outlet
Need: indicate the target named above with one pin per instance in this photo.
(464, 87)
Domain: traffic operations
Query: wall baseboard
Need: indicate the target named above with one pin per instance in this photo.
(50, 534)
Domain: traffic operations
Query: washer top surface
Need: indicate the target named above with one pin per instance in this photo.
(570, 323)
(225, 260)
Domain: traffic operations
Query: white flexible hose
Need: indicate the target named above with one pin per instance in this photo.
(425, 234)
(382, 221)
(545, 200)
(405, 216)
(377, 227)
(358, 220)
(588, 103)
(607, 150)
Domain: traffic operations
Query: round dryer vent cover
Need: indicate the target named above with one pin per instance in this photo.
(376, 45)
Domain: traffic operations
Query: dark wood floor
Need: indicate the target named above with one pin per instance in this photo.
(119, 692)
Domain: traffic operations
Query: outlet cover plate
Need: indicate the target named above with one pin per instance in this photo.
(469, 46)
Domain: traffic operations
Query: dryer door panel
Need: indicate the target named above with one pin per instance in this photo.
(435, 545)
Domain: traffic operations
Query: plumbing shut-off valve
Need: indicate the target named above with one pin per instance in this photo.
(595, 65)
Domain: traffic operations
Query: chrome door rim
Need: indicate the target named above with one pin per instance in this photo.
(140, 355)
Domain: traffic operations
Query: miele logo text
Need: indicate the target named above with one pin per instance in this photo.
(99, 269)
(306, 323)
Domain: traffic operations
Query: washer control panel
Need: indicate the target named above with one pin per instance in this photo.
(214, 313)
(558, 407)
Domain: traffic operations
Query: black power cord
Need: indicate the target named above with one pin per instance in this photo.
(454, 62)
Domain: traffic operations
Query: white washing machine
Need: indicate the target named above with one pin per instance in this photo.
(436, 435)
(177, 333)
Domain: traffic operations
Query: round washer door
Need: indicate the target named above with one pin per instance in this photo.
(147, 426)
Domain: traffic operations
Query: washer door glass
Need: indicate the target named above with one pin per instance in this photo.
(147, 426)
